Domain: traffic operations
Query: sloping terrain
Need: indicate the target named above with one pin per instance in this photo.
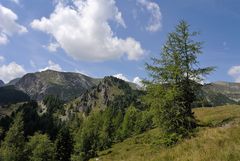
(66, 85)
(103, 95)
(229, 89)
(10, 95)
(216, 140)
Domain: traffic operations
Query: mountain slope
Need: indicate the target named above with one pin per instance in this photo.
(109, 91)
(1, 83)
(66, 85)
(10, 95)
(229, 89)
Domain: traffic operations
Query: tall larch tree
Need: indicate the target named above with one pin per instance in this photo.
(174, 82)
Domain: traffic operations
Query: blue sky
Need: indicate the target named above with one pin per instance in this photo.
(113, 37)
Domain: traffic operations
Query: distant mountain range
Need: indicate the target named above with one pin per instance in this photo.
(85, 92)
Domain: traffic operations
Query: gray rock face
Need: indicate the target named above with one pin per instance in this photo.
(66, 85)
(1, 83)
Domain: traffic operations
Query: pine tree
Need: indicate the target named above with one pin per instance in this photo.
(12, 148)
(129, 121)
(64, 145)
(174, 83)
(87, 139)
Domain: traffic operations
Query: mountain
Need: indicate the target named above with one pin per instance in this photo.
(217, 94)
(1, 83)
(91, 92)
(13, 82)
(110, 91)
(229, 89)
(10, 95)
(66, 85)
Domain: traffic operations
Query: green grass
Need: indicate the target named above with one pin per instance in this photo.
(218, 139)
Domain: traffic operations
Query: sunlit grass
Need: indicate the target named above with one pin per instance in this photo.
(217, 140)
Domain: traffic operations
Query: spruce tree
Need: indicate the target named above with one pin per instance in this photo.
(12, 148)
(174, 81)
(63, 145)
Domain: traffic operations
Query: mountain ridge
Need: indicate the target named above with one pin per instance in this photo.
(69, 85)
(66, 85)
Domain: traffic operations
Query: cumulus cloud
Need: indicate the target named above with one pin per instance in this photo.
(234, 71)
(153, 8)
(138, 81)
(82, 29)
(121, 76)
(135, 80)
(8, 25)
(52, 66)
(11, 71)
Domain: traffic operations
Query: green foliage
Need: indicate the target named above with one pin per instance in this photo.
(10, 95)
(172, 89)
(107, 130)
(135, 122)
(218, 143)
(87, 140)
(129, 122)
(64, 145)
(12, 148)
(31, 118)
(53, 104)
(40, 148)
(50, 121)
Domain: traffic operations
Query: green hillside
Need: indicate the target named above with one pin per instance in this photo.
(109, 91)
(10, 95)
(216, 140)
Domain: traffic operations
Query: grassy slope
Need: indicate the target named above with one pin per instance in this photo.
(217, 140)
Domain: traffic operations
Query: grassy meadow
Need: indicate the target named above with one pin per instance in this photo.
(216, 139)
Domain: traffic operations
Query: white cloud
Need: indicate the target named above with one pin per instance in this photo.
(83, 30)
(121, 76)
(8, 25)
(52, 47)
(81, 72)
(2, 59)
(156, 16)
(234, 71)
(135, 80)
(15, 1)
(11, 71)
(3, 39)
(138, 81)
(52, 66)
